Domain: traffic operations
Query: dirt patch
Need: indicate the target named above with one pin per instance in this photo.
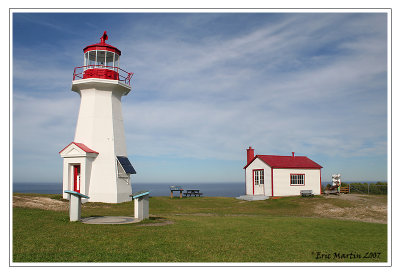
(365, 208)
(40, 202)
(350, 197)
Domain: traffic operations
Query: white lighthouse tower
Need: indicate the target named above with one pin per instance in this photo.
(96, 162)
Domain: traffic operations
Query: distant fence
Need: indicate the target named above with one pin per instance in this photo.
(367, 188)
(364, 188)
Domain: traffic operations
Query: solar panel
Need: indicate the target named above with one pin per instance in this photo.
(126, 164)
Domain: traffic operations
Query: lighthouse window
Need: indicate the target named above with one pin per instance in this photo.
(101, 58)
(110, 59)
(92, 58)
(116, 61)
(85, 62)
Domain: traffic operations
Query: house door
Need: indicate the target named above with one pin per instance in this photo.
(258, 182)
(77, 178)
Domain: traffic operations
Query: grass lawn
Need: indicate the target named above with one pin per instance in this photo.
(205, 229)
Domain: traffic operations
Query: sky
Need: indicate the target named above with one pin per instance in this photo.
(206, 86)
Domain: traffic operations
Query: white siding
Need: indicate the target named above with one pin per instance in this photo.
(258, 164)
(282, 185)
(100, 127)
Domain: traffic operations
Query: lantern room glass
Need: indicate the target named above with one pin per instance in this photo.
(110, 60)
(101, 59)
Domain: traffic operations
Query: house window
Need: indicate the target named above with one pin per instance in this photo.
(258, 177)
(297, 179)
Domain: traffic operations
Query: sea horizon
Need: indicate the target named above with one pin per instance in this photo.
(210, 189)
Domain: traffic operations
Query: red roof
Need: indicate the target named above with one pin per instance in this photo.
(82, 146)
(287, 162)
(102, 46)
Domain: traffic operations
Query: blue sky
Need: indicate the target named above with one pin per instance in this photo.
(208, 85)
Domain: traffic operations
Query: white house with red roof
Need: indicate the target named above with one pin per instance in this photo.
(276, 176)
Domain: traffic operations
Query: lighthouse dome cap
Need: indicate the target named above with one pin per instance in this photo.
(102, 46)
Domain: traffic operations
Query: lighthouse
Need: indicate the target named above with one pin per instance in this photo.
(96, 163)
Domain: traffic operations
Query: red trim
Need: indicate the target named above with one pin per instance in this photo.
(304, 180)
(85, 148)
(272, 182)
(250, 162)
(320, 183)
(103, 72)
(80, 145)
(300, 162)
(100, 73)
(77, 172)
(101, 47)
(253, 183)
(245, 181)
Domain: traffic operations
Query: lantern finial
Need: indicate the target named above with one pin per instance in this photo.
(104, 37)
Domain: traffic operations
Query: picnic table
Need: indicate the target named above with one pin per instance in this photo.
(193, 192)
(175, 189)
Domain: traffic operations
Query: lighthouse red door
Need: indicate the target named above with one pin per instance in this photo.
(77, 178)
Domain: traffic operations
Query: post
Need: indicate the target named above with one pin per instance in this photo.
(172, 194)
(74, 208)
(141, 206)
(180, 193)
(368, 188)
(145, 207)
(75, 205)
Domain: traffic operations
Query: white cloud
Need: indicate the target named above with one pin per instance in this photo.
(309, 84)
(204, 104)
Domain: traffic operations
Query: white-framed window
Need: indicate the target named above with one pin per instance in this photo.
(258, 176)
(121, 171)
(98, 58)
(297, 179)
(110, 60)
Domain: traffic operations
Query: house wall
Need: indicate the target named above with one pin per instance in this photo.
(281, 181)
(258, 164)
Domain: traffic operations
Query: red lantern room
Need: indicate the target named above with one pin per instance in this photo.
(101, 60)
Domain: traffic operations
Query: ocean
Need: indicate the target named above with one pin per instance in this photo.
(156, 189)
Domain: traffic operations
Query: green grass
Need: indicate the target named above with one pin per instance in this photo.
(203, 230)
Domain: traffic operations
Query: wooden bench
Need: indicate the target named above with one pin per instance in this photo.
(193, 192)
(306, 193)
